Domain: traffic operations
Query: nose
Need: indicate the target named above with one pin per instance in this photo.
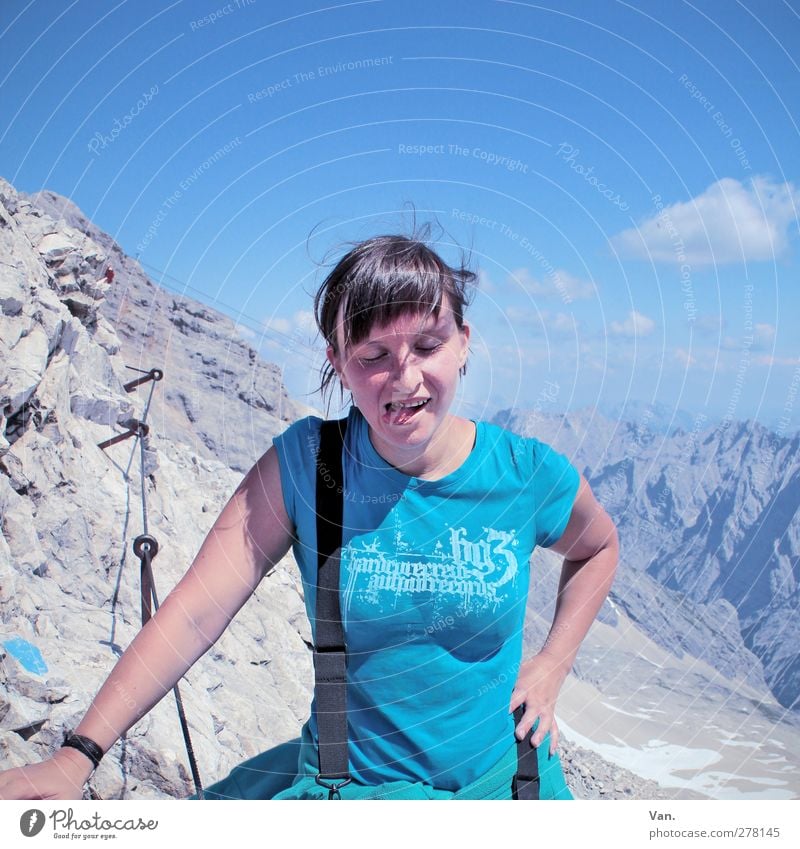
(406, 373)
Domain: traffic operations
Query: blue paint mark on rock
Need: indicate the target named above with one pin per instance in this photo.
(27, 654)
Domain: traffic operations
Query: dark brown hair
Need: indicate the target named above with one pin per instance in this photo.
(382, 279)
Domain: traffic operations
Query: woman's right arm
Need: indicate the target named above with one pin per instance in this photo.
(251, 534)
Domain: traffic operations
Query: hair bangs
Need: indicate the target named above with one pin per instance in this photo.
(379, 299)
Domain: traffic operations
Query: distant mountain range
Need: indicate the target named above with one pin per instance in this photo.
(654, 416)
(709, 521)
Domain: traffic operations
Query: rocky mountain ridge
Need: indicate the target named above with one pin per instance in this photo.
(220, 396)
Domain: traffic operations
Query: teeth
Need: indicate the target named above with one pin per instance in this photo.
(400, 405)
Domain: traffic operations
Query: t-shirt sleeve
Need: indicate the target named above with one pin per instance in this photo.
(555, 485)
(297, 450)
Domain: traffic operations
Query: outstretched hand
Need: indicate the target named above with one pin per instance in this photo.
(538, 685)
(59, 777)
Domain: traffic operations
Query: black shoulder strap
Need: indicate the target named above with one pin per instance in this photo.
(330, 661)
(525, 785)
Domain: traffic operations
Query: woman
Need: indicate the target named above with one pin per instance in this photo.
(441, 515)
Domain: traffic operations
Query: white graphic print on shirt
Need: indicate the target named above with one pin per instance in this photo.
(473, 572)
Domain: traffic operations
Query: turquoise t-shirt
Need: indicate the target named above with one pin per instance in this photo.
(434, 582)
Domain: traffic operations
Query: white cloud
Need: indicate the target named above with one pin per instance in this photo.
(764, 334)
(557, 283)
(729, 222)
(769, 360)
(684, 357)
(761, 339)
(561, 322)
(541, 321)
(484, 283)
(709, 324)
(524, 317)
(636, 324)
(246, 333)
(301, 326)
(304, 320)
(280, 325)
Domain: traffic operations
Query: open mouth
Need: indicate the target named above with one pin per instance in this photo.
(399, 412)
(406, 405)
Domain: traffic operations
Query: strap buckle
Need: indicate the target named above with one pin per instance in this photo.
(332, 787)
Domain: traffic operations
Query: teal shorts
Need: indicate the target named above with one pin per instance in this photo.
(288, 771)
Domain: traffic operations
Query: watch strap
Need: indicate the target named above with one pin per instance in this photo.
(85, 746)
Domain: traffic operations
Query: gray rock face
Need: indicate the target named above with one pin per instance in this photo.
(709, 524)
(69, 584)
(219, 397)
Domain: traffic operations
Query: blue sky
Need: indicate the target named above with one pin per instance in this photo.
(625, 176)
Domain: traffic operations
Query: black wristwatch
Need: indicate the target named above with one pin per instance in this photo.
(84, 745)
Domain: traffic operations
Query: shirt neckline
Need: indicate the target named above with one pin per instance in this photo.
(375, 461)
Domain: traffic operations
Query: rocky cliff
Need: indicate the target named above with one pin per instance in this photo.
(220, 396)
(69, 584)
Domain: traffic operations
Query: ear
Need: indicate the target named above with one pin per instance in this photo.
(465, 331)
(337, 366)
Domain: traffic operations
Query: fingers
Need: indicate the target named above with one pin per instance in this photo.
(517, 698)
(554, 737)
(532, 718)
(544, 722)
(34, 782)
(18, 788)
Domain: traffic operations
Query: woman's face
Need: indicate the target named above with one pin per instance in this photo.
(403, 378)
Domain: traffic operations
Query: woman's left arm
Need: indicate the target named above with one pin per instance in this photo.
(591, 550)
